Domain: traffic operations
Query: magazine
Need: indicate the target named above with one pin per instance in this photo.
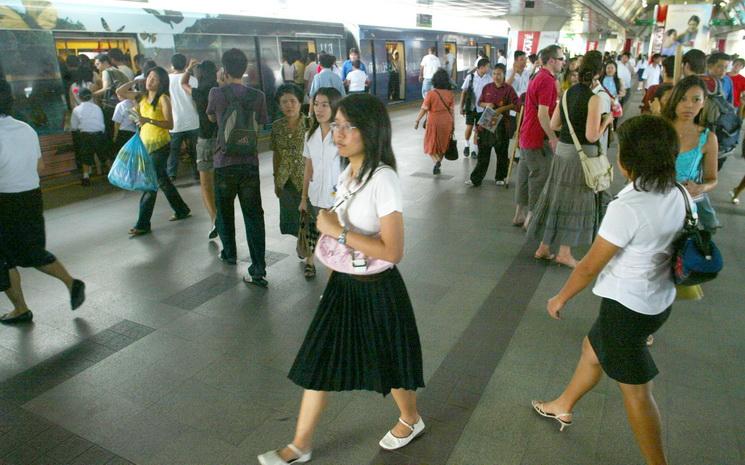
(490, 120)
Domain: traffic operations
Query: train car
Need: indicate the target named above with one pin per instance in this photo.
(37, 37)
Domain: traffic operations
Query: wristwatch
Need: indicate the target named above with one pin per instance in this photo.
(343, 237)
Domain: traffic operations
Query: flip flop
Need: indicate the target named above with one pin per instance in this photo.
(548, 258)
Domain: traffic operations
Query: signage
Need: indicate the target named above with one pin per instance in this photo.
(423, 20)
(644, 22)
(722, 22)
(527, 41)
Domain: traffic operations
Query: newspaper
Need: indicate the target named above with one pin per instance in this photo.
(490, 120)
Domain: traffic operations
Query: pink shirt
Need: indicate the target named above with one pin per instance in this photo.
(541, 91)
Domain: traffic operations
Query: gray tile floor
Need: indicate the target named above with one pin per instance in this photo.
(173, 360)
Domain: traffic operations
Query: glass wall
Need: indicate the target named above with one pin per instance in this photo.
(29, 63)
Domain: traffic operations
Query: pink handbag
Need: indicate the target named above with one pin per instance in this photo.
(344, 259)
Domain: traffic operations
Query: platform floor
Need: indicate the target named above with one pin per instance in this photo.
(173, 360)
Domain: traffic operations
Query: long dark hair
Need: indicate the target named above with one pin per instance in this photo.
(334, 97)
(679, 92)
(370, 116)
(592, 65)
(206, 75)
(163, 83)
(616, 80)
(647, 148)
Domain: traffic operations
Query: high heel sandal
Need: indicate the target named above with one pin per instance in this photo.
(538, 407)
(272, 457)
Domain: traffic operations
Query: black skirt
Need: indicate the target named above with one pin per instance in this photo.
(619, 338)
(23, 239)
(363, 337)
(289, 213)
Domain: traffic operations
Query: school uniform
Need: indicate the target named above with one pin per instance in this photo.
(87, 118)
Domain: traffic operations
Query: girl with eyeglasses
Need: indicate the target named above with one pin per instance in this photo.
(364, 335)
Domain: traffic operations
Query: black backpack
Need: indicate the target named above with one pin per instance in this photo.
(721, 117)
(468, 101)
(238, 130)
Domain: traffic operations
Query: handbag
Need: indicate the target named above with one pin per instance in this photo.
(696, 259)
(307, 235)
(452, 152)
(598, 170)
(344, 259)
(616, 109)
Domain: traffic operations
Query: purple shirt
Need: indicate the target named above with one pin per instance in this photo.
(218, 104)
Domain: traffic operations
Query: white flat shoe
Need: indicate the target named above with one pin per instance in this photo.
(391, 442)
(272, 457)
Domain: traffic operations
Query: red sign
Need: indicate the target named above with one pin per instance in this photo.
(661, 14)
(591, 45)
(721, 44)
(527, 41)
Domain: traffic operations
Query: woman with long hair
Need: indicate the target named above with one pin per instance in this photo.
(364, 335)
(611, 82)
(631, 259)
(696, 164)
(155, 119)
(206, 74)
(565, 212)
(438, 108)
(322, 166)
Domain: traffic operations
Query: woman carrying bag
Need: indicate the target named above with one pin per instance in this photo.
(440, 119)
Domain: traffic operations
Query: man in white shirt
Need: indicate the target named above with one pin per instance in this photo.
(185, 118)
(624, 74)
(472, 86)
(519, 76)
(501, 59)
(22, 213)
(653, 72)
(87, 119)
(430, 64)
(357, 79)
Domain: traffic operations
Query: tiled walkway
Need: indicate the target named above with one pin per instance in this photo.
(173, 360)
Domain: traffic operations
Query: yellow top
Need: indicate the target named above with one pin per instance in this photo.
(152, 136)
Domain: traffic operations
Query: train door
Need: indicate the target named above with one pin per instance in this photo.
(93, 45)
(297, 48)
(450, 60)
(396, 61)
(489, 51)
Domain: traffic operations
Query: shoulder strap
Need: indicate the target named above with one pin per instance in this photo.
(691, 216)
(577, 145)
(443, 101)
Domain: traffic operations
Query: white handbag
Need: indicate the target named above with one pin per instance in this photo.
(598, 170)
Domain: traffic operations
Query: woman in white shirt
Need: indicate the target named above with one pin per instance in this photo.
(22, 232)
(631, 258)
(364, 335)
(322, 166)
(357, 79)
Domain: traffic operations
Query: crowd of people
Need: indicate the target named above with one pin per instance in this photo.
(335, 180)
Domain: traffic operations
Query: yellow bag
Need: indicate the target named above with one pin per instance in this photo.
(694, 292)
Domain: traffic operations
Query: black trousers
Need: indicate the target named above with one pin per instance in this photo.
(500, 142)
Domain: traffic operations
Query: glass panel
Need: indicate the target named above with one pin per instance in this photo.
(199, 46)
(467, 57)
(247, 44)
(270, 72)
(28, 62)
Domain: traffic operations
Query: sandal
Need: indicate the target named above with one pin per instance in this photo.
(272, 457)
(547, 258)
(138, 232)
(538, 407)
(309, 271)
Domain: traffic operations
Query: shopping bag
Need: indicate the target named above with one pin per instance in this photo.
(307, 235)
(133, 168)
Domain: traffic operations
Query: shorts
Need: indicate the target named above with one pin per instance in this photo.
(93, 143)
(205, 153)
(472, 117)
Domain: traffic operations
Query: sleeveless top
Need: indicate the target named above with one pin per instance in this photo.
(154, 137)
(688, 165)
(578, 98)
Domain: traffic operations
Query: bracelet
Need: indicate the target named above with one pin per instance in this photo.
(343, 236)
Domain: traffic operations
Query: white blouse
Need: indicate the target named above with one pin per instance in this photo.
(324, 156)
(19, 156)
(643, 225)
(380, 197)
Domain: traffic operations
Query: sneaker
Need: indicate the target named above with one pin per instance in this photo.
(259, 281)
(213, 232)
(471, 183)
(499, 182)
(474, 155)
(465, 151)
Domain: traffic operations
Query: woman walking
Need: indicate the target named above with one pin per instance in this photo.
(288, 135)
(322, 166)
(696, 165)
(565, 212)
(206, 74)
(22, 232)
(631, 258)
(154, 108)
(364, 335)
(438, 108)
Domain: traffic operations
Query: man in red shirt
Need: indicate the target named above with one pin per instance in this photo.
(738, 80)
(500, 97)
(537, 140)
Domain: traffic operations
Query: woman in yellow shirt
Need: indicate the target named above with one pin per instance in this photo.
(155, 119)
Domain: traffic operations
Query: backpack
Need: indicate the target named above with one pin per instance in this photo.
(238, 131)
(117, 78)
(721, 117)
(468, 101)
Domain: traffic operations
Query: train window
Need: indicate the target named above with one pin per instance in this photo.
(247, 44)
(396, 56)
(28, 62)
(198, 46)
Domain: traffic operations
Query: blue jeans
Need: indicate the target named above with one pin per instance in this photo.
(241, 181)
(147, 201)
(426, 87)
(177, 138)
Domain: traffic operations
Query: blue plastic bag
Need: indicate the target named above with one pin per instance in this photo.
(133, 168)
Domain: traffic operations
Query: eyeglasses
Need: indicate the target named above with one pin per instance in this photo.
(342, 128)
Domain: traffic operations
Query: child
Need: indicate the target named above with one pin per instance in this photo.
(124, 125)
(357, 79)
(87, 118)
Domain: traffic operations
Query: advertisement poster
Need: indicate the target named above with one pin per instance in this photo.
(528, 41)
(687, 25)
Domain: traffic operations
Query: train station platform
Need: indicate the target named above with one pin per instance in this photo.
(173, 360)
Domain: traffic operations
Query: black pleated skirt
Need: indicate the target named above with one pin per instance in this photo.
(363, 337)
(619, 338)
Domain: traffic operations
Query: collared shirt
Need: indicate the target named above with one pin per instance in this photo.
(643, 225)
(478, 85)
(502, 60)
(327, 78)
(624, 74)
(122, 114)
(541, 91)
(19, 156)
(521, 81)
(324, 155)
(87, 117)
(430, 65)
(652, 75)
(347, 67)
(500, 97)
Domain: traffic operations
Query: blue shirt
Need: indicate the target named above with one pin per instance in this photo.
(326, 78)
(610, 85)
(728, 89)
(346, 68)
